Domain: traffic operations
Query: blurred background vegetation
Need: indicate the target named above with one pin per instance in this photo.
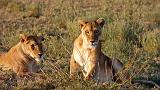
(131, 34)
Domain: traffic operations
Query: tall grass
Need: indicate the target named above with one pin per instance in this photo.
(131, 34)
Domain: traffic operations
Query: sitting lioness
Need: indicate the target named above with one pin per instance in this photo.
(23, 57)
(87, 54)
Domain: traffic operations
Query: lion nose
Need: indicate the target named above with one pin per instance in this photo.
(40, 55)
(92, 41)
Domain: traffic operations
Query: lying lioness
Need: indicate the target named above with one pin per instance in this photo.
(87, 54)
(22, 57)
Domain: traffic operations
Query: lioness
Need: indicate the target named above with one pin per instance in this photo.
(87, 54)
(22, 57)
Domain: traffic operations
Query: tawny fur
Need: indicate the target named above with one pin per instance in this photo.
(19, 58)
(88, 56)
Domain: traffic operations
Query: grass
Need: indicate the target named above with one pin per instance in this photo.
(131, 33)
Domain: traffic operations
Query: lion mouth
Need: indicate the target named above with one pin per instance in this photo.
(93, 45)
(39, 60)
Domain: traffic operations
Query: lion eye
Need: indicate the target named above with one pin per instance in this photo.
(87, 32)
(32, 46)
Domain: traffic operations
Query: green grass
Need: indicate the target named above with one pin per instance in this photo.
(131, 33)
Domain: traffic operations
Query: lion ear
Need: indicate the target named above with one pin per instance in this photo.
(100, 21)
(41, 38)
(81, 23)
(23, 37)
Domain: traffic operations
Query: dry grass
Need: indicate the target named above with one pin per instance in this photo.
(132, 34)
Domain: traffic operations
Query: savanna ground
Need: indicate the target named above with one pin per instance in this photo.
(131, 33)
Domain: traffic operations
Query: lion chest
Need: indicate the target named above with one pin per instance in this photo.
(32, 67)
(83, 57)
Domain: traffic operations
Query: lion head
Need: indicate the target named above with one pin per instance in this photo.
(91, 31)
(32, 46)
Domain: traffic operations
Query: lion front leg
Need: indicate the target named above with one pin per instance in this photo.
(74, 66)
(22, 71)
(89, 71)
